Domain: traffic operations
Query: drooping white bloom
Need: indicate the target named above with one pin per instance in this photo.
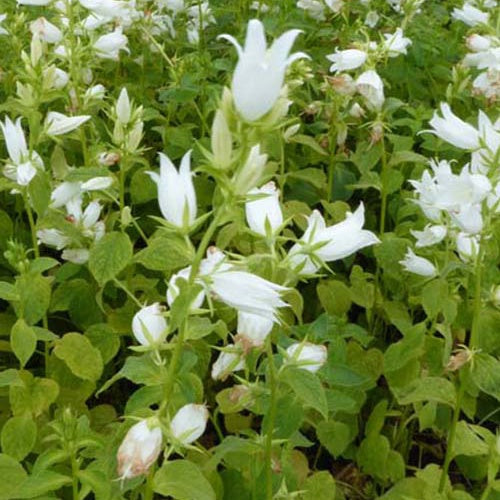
(173, 288)
(176, 194)
(3, 31)
(109, 46)
(254, 328)
(371, 87)
(330, 243)
(46, 31)
(259, 74)
(315, 8)
(452, 129)
(249, 175)
(174, 6)
(486, 59)
(345, 60)
(431, 235)
(396, 43)
(59, 124)
(488, 84)
(149, 326)
(95, 92)
(335, 5)
(23, 168)
(67, 191)
(33, 2)
(106, 8)
(470, 15)
(230, 360)
(139, 449)
(478, 43)
(418, 265)
(242, 290)
(467, 246)
(265, 210)
(189, 423)
(123, 109)
(307, 356)
(52, 238)
(59, 77)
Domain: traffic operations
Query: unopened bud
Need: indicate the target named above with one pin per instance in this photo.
(123, 108)
(310, 357)
(189, 423)
(221, 141)
(149, 326)
(343, 84)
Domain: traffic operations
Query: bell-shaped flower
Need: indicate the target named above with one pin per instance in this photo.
(229, 360)
(345, 60)
(173, 289)
(396, 43)
(189, 423)
(334, 5)
(176, 194)
(249, 175)
(315, 8)
(67, 191)
(452, 129)
(149, 326)
(467, 246)
(418, 265)
(478, 43)
(109, 46)
(307, 356)
(106, 8)
(139, 449)
(431, 235)
(470, 15)
(327, 244)
(263, 210)
(46, 31)
(59, 124)
(371, 87)
(52, 238)
(242, 290)
(33, 2)
(254, 329)
(260, 73)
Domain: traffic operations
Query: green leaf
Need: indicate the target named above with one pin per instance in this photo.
(400, 353)
(468, 442)
(319, 486)
(34, 296)
(307, 388)
(434, 296)
(105, 339)
(110, 255)
(81, 357)
(19, 436)
(334, 297)
(182, 480)
(42, 482)
(8, 291)
(22, 341)
(12, 475)
(334, 436)
(486, 374)
(142, 370)
(165, 253)
(436, 389)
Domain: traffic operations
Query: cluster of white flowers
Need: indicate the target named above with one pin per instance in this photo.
(484, 49)
(317, 8)
(368, 84)
(457, 205)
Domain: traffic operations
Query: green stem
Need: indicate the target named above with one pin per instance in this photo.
(486, 492)
(74, 473)
(32, 226)
(128, 292)
(383, 206)
(148, 489)
(271, 419)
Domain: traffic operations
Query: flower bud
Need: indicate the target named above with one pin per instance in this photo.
(149, 326)
(253, 328)
(123, 109)
(221, 141)
(418, 265)
(357, 111)
(467, 246)
(36, 50)
(228, 361)
(371, 87)
(265, 211)
(249, 175)
(59, 124)
(189, 423)
(343, 84)
(139, 449)
(310, 357)
(173, 289)
(478, 43)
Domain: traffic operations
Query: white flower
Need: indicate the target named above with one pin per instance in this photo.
(467, 246)
(396, 43)
(3, 31)
(357, 111)
(33, 2)
(258, 5)
(59, 77)
(106, 8)
(174, 6)
(250, 173)
(242, 290)
(67, 191)
(149, 326)
(418, 265)
(46, 31)
(109, 46)
(315, 8)
(59, 124)
(123, 109)
(173, 289)
(478, 43)
(52, 238)
(488, 84)
(487, 59)
(345, 60)
(230, 360)
(371, 87)
(335, 5)
(452, 129)
(176, 194)
(254, 328)
(264, 211)
(95, 92)
(189, 423)
(431, 235)
(307, 356)
(139, 450)
(470, 15)
(372, 19)
(259, 74)
(330, 243)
